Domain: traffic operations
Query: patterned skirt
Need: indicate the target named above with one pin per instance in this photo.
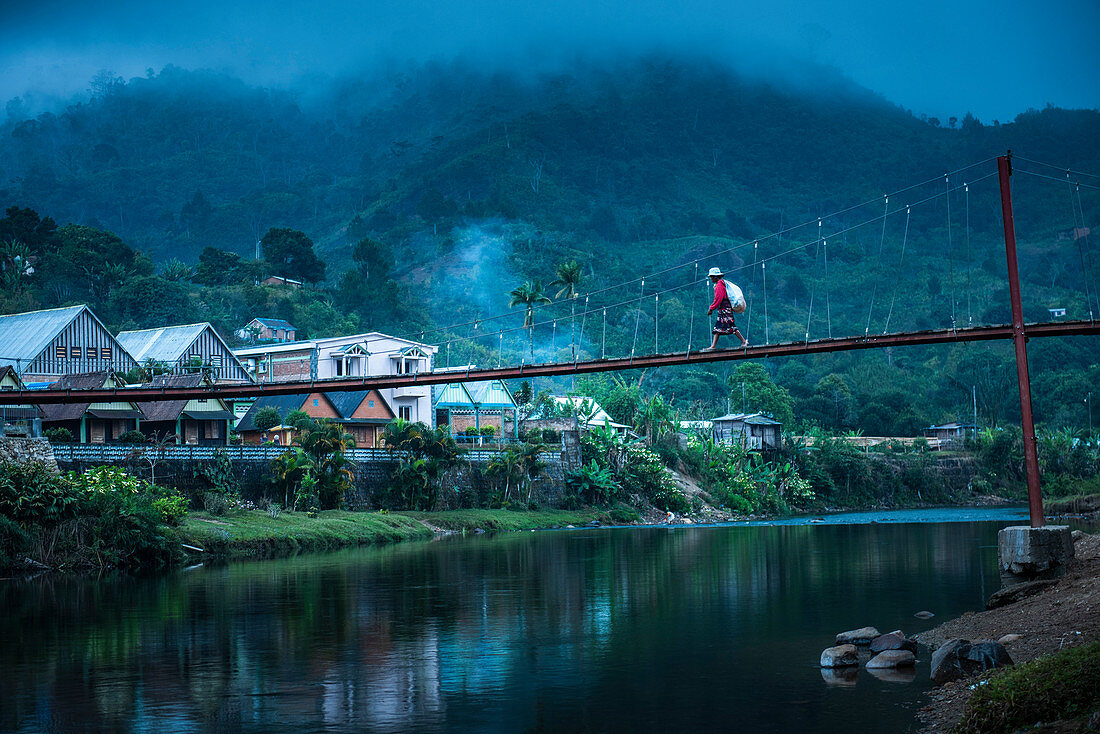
(724, 323)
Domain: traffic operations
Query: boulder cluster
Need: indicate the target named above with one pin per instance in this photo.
(888, 652)
(887, 655)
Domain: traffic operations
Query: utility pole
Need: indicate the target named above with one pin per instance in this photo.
(1019, 340)
(1089, 401)
(742, 396)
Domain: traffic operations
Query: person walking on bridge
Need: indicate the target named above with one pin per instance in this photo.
(724, 295)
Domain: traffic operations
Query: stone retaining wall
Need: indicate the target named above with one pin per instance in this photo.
(27, 450)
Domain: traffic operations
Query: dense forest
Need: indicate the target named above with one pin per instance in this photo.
(416, 199)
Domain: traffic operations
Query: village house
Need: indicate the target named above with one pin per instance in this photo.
(262, 329)
(279, 280)
(460, 406)
(949, 432)
(363, 414)
(590, 416)
(17, 420)
(753, 431)
(92, 422)
(194, 422)
(358, 355)
(41, 346)
(185, 349)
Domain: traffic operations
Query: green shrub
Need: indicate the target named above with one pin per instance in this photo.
(172, 508)
(216, 503)
(32, 494)
(1062, 686)
(14, 541)
(59, 435)
(593, 484)
(132, 437)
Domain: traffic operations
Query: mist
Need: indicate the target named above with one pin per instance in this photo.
(994, 59)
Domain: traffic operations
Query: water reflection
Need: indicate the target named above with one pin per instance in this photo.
(592, 630)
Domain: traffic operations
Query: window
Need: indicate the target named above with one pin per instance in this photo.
(405, 412)
(105, 353)
(216, 361)
(60, 352)
(316, 401)
(75, 352)
(370, 403)
(90, 352)
(339, 372)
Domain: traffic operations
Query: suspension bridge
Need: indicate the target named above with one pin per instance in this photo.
(588, 351)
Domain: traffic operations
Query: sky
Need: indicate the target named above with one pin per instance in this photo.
(994, 58)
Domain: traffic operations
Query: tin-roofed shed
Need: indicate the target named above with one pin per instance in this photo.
(754, 431)
(41, 346)
(186, 349)
(462, 406)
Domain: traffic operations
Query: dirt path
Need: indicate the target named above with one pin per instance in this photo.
(1067, 614)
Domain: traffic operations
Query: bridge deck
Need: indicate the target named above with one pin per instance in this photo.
(786, 349)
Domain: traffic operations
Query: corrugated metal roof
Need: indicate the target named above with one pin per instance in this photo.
(166, 344)
(452, 395)
(757, 419)
(491, 394)
(274, 323)
(25, 335)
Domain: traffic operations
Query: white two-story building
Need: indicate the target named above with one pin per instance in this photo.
(360, 355)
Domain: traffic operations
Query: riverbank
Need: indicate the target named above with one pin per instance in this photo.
(1065, 615)
(255, 534)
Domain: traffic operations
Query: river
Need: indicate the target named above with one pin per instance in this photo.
(687, 628)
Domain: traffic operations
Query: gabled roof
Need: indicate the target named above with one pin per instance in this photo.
(166, 344)
(756, 419)
(8, 371)
(346, 403)
(947, 426)
(282, 403)
(25, 335)
(485, 394)
(80, 381)
(170, 410)
(274, 323)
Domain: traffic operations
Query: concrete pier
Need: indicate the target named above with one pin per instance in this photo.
(1027, 551)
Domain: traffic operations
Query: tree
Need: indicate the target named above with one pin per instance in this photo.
(266, 418)
(299, 420)
(569, 276)
(327, 444)
(528, 295)
(289, 253)
(761, 394)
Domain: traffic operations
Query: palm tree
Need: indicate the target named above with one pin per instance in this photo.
(529, 295)
(569, 277)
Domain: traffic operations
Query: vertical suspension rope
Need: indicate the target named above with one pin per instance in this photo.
(1078, 227)
(813, 289)
(637, 319)
(828, 308)
(950, 254)
(901, 261)
(969, 314)
(764, 287)
(694, 300)
(500, 351)
(603, 348)
(1087, 254)
(554, 341)
(584, 316)
(874, 286)
(656, 314)
(573, 327)
(750, 299)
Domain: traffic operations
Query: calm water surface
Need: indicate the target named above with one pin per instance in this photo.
(641, 629)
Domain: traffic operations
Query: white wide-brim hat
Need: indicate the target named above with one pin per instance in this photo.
(715, 272)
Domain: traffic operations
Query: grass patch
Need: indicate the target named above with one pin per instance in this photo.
(1064, 685)
(466, 520)
(254, 534)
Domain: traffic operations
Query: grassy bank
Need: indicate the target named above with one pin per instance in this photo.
(255, 534)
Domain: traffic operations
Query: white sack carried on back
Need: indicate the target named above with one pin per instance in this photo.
(737, 298)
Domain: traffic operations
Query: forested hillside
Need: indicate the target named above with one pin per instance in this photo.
(432, 192)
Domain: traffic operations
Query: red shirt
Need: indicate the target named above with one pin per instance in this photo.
(719, 295)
